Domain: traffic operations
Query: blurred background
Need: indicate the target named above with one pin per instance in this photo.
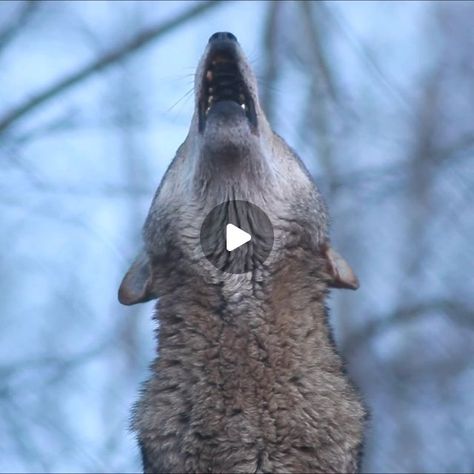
(95, 98)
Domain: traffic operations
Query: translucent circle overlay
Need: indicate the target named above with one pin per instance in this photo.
(247, 217)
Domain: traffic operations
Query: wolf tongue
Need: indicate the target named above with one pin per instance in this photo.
(227, 93)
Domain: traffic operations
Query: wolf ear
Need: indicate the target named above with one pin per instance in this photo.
(339, 269)
(137, 284)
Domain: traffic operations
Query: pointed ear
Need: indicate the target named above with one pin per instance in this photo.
(339, 269)
(137, 284)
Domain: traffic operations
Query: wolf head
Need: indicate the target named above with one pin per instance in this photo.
(230, 153)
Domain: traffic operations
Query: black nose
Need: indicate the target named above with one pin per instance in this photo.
(222, 35)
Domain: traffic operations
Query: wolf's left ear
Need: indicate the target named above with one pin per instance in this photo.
(137, 284)
(339, 269)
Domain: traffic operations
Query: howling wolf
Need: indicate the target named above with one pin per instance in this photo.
(247, 377)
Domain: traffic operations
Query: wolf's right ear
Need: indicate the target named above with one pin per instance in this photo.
(137, 284)
(340, 271)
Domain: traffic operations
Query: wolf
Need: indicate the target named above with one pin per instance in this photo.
(247, 377)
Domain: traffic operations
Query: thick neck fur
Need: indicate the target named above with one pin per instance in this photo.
(248, 380)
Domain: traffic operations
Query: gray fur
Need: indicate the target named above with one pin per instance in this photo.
(247, 378)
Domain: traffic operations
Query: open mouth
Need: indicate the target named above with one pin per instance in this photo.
(223, 81)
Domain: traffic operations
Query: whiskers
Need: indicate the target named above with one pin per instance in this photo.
(183, 97)
(188, 79)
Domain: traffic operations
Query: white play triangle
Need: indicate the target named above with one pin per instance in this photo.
(235, 237)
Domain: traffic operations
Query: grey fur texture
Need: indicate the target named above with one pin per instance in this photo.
(247, 377)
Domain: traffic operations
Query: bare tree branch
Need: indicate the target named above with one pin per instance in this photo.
(270, 71)
(460, 313)
(441, 368)
(462, 145)
(57, 363)
(142, 39)
(316, 52)
(14, 27)
(366, 55)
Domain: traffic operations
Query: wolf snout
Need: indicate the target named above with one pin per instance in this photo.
(222, 36)
(225, 78)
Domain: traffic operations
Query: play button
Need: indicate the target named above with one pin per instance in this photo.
(236, 236)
